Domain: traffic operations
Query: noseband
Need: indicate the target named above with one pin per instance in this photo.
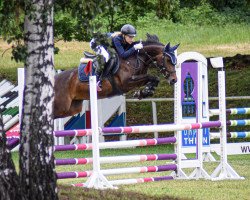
(163, 68)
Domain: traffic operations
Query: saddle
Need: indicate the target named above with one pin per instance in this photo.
(110, 68)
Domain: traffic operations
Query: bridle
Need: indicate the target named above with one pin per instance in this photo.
(163, 68)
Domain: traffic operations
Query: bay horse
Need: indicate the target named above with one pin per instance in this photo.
(132, 73)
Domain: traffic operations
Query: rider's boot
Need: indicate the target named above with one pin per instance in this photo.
(99, 82)
(98, 73)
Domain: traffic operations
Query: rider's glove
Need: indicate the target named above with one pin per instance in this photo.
(138, 46)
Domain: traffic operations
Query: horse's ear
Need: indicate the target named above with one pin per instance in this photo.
(175, 47)
(167, 47)
(148, 35)
(152, 38)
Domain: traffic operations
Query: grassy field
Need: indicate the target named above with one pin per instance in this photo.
(174, 189)
(210, 41)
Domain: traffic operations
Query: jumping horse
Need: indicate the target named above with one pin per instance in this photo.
(132, 74)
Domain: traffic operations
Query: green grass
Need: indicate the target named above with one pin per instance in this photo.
(193, 189)
(181, 189)
(209, 40)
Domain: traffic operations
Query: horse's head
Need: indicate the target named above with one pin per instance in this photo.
(166, 61)
(164, 56)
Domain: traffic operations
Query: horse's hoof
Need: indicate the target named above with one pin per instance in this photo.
(138, 95)
(147, 93)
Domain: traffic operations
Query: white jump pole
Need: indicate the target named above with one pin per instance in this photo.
(224, 170)
(21, 82)
(97, 180)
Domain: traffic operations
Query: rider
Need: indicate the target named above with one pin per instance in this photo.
(122, 42)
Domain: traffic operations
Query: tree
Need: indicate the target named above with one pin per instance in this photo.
(36, 149)
(28, 25)
(166, 8)
(37, 176)
(9, 183)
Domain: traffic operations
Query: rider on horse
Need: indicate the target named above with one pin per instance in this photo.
(123, 44)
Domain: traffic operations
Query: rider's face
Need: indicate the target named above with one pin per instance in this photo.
(129, 39)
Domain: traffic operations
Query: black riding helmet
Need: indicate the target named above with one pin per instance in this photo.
(128, 29)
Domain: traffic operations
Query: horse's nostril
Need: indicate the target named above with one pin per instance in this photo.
(173, 81)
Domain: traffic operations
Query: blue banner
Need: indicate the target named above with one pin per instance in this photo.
(189, 137)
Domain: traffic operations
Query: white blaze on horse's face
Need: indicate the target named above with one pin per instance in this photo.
(129, 39)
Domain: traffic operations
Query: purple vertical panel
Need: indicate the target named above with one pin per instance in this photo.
(192, 69)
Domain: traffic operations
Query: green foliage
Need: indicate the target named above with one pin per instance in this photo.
(167, 8)
(19, 53)
(73, 20)
(205, 14)
(189, 3)
(201, 15)
(79, 19)
(120, 12)
(64, 26)
(82, 14)
(11, 20)
(232, 4)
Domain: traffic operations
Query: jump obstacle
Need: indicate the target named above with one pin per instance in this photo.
(237, 147)
(11, 105)
(107, 107)
(98, 178)
(9, 108)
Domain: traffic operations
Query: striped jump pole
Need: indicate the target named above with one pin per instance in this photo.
(243, 134)
(240, 122)
(141, 129)
(132, 181)
(116, 159)
(12, 142)
(119, 144)
(107, 172)
(161, 128)
(73, 133)
(231, 111)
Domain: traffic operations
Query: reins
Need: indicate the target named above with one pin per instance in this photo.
(162, 68)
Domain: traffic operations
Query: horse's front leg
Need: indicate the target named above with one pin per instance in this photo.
(149, 89)
(151, 83)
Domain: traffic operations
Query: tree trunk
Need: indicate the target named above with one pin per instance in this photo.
(37, 175)
(9, 185)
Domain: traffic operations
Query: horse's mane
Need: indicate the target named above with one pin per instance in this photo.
(152, 39)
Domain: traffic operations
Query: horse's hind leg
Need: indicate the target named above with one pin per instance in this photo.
(61, 107)
(76, 107)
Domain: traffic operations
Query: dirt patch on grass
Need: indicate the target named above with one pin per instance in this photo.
(235, 62)
(238, 61)
(72, 193)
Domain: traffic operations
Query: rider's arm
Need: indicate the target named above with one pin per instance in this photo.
(120, 50)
